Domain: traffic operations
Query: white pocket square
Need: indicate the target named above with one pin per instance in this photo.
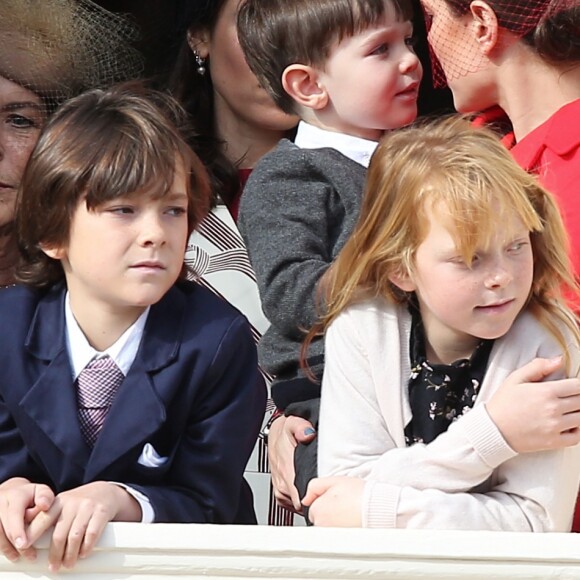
(150, 458)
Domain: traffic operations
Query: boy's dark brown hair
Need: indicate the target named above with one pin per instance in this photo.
(277, 33)
(99, 146)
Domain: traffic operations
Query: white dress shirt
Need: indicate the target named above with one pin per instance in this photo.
(123, 352)
(355, 148)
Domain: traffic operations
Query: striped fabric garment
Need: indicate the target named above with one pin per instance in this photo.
(216, 257)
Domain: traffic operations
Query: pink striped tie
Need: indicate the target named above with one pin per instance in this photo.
(97, 385)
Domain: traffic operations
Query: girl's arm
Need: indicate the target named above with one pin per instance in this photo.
(426, 486)
(357, 440)
(536, 492)
(360, 435)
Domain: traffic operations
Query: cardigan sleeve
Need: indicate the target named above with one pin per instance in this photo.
(534, 492)
(287, 213)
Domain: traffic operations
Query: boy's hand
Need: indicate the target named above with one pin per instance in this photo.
(79, 517)
(20, 502)
(285, 434)
(537, 416)
(335, 501)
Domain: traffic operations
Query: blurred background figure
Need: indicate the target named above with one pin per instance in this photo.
(49, 52)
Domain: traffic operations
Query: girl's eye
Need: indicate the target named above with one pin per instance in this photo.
(411, 41)
(461, 262)
(517, 247)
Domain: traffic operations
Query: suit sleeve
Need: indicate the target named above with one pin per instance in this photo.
(206, 476)
(15, 460)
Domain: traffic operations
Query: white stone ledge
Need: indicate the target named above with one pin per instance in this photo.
(169, 551)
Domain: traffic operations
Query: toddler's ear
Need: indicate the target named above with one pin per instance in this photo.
(301, 82)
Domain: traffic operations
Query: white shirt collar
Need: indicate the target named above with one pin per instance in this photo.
(356, 148)
(81, 353)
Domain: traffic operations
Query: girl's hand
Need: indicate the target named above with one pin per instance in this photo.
(285, 433)
(20, 502)
(335, 501)
(537, 416)
(79, 517)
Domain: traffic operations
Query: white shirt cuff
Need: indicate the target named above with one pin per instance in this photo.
(147, 513)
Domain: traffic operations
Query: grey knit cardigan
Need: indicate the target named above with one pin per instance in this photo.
(297, 210)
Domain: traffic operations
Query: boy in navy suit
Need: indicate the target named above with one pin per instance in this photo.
(106, 205)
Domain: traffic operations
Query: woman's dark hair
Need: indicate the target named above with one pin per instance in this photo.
(557, 38)
(195, 93)
(550, 27)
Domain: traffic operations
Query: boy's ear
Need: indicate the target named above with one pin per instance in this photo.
(403, 280)
(199, 41)
(54, 252)
(485, 25)
(300, 81)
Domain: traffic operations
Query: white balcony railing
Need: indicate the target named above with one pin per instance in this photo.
(170, 551)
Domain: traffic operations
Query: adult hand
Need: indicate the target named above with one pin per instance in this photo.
(285, 433)
(335, 501)
(20, 502)
(537, 416)
(79, 517)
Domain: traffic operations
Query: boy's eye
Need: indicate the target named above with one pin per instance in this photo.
(121, 210)
(177, 211)
(381, 49)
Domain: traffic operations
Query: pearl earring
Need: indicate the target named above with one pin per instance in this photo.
(200, 62)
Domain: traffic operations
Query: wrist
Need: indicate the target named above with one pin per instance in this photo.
(265, 432)
(14, 482)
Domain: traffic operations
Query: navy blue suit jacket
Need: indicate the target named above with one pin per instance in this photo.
(194, 393)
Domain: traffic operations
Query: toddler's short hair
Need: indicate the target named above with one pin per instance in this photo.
(277, 33)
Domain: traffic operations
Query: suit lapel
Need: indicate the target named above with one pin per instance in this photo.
(51, 401)
(138, 410)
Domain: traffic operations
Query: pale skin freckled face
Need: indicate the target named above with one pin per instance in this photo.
(372, 79)
(21, 119)
(462, 303)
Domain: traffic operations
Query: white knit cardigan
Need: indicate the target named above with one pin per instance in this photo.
(469, 477)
